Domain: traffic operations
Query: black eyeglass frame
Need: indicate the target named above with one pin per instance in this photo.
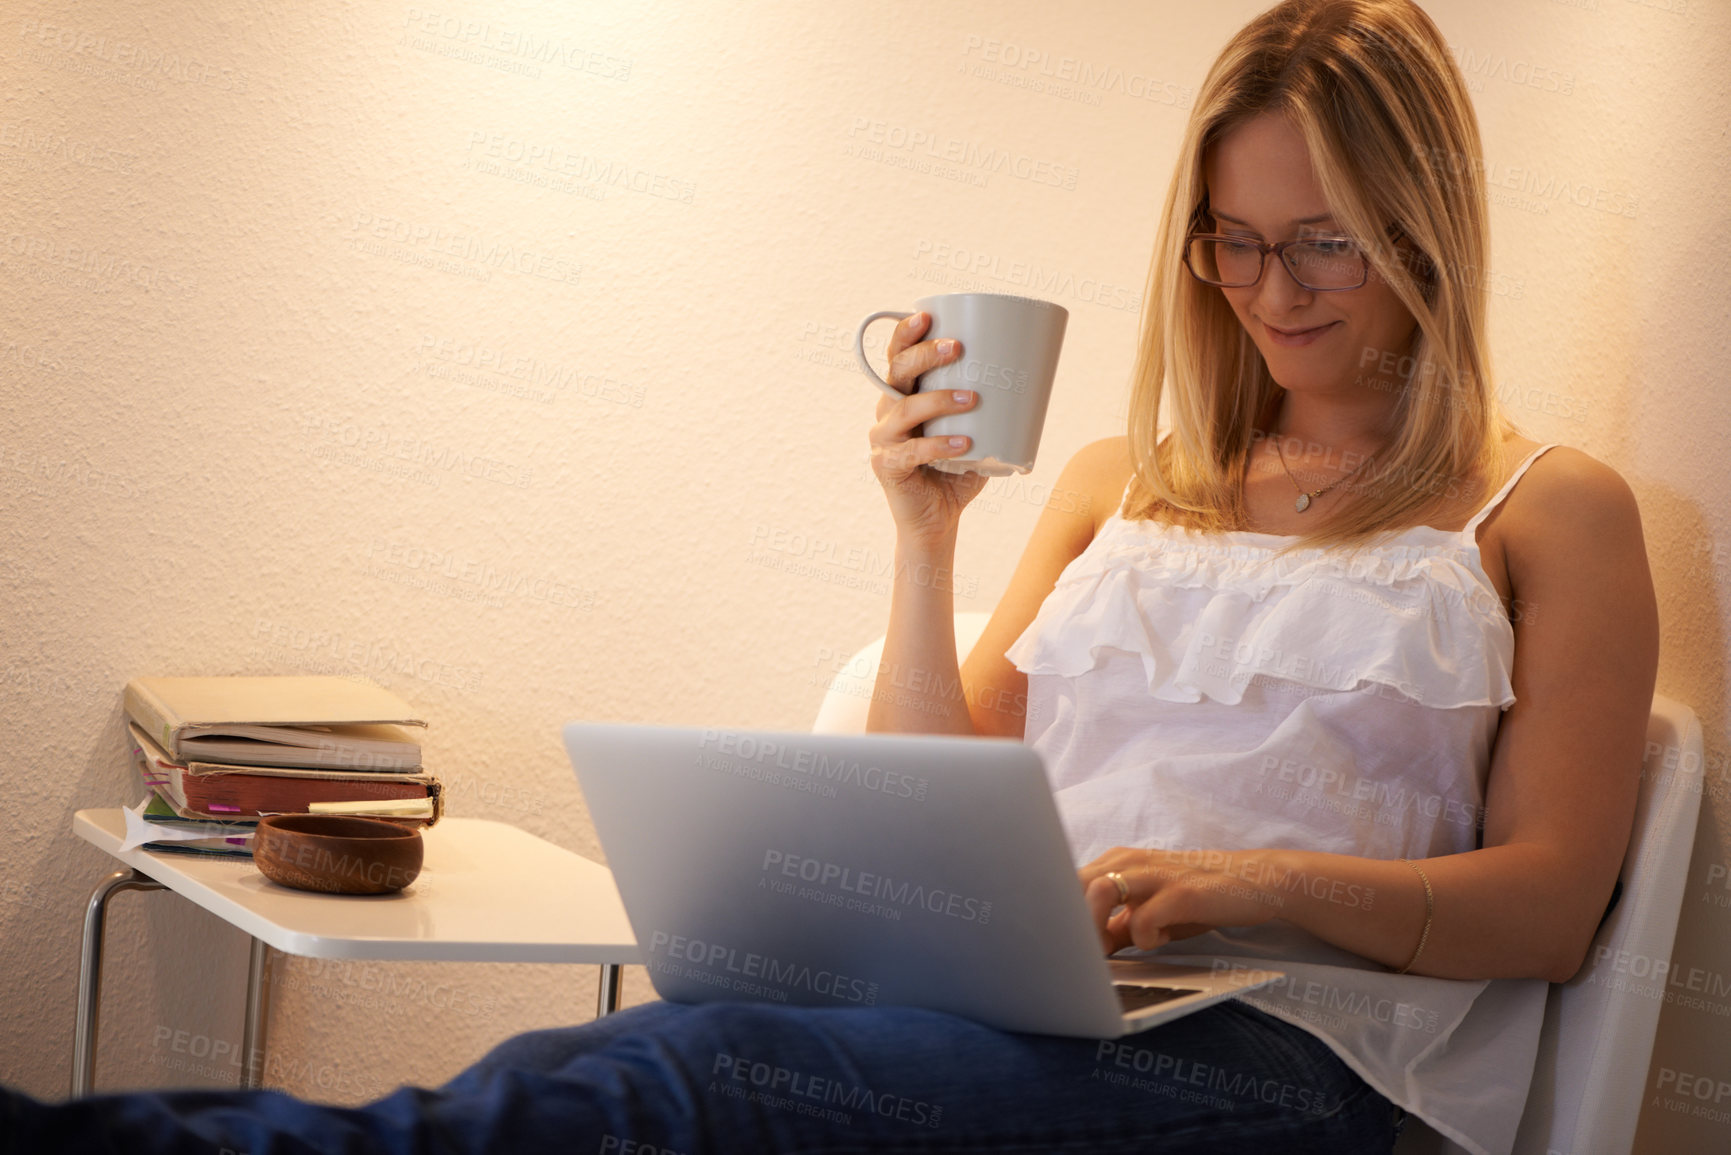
(1278, 248)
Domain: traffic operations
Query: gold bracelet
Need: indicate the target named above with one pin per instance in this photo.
(1429, 907)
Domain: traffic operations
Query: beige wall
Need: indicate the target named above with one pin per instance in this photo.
(306, 369)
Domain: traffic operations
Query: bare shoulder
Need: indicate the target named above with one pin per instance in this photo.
(1567, 485)
(1098, 473)
(1568, 507)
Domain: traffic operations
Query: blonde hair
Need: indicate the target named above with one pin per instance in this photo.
(1393, 139)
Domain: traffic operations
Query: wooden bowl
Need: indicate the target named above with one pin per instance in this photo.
(336, 854)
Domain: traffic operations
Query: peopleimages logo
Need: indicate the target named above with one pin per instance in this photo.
(729, 748)
(1170, 1071)
(776, 1085)
(877, 886)
(1316, 996)
(747, 972)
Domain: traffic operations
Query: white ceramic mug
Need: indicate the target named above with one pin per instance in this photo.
(1009, 357)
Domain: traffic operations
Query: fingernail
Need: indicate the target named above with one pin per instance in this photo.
(947, 345)
(958, 442)
(962, 396)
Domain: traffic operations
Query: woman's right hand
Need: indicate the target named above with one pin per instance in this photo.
(927, 504)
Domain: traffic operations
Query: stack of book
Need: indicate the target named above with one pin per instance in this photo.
(218, 754)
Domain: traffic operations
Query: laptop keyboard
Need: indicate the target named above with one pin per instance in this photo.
(1135, 998)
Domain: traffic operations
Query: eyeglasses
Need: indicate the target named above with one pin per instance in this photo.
(1320, 264)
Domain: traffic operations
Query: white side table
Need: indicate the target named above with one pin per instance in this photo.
(487, 892)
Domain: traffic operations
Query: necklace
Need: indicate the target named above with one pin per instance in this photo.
(1304, 499)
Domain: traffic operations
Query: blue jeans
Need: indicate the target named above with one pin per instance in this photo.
(665, 1078)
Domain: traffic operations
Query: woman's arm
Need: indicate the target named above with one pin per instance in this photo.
(921, 687)
(1563, 777)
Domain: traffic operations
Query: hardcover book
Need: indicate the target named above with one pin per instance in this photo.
(299, 720)
(216, 791)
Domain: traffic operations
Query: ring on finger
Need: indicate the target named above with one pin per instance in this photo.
(1123, 887)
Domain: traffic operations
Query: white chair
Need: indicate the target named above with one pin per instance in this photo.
(1599, 1026)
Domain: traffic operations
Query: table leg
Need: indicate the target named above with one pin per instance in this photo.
(607, 997)
(252, 1040)
(90, 973)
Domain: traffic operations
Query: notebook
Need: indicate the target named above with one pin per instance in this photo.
(864, 870)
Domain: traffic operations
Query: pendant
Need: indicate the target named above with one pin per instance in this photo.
(1303, 502)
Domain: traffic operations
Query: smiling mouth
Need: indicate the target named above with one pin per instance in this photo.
(1295, 332)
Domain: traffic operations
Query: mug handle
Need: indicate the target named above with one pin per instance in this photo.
(859, 350)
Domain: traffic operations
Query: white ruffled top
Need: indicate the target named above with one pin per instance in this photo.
(1195, 691)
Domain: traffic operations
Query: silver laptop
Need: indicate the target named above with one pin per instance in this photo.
(859, 870)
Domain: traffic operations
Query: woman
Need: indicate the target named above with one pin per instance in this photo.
(1329, 664)
(1268, 673)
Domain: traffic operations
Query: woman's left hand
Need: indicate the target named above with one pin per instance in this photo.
(1173, 894)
